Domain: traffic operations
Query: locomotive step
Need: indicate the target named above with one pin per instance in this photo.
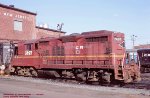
(119, 68)
(119, 74)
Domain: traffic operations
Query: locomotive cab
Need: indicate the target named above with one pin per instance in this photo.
(23, 58)
(132, 67)
(144, 59)
(127, 68)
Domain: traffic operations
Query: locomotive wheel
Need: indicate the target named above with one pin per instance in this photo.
(34, 73)
(92, 77)
(107, 77)
(67, 74)
(12, 69)
(147, 70)
(27, 72)
(142, 70)
(81, 77)
(20, 72)
(7, 71)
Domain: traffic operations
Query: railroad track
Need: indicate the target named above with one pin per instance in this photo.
(144, 84)
(138, 86)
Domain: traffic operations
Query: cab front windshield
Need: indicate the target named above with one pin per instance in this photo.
(131, 57)
(144, 56)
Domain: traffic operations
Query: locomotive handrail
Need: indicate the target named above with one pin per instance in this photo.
(139, 62)
(114, 58)
(123, 61)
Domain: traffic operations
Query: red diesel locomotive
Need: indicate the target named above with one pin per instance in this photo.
(90, 56)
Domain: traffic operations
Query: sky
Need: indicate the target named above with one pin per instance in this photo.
(131, 17)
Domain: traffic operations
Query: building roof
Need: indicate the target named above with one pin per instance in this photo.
(131, 50)
(146, 49)
(49, 29)
(31, 41)
(142, 46)
(46, 39)
(17, 9)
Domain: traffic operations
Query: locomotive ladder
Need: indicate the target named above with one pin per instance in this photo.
(119, 70)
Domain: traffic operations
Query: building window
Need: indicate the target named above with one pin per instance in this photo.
(17, 25)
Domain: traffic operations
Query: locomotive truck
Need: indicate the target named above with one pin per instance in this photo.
(89, 56)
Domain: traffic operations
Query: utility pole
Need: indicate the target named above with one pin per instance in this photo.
(59, 27)
(133, 39)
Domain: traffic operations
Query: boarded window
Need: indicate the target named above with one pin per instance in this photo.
(17, 25)
(97, 39)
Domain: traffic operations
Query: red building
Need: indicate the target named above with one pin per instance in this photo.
(17, 24)
(42, 32)
(144, 46)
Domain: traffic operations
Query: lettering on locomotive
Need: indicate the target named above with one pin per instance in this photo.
(28, 52)
(78, 49)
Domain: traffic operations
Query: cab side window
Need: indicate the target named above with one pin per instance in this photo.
(36, 46)
(16, 51)
(28, 47)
